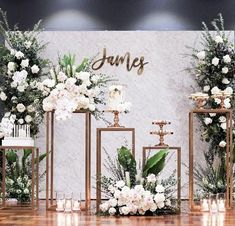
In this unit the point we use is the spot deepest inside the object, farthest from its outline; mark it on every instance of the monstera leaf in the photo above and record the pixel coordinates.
(128, 163)
(155, 164)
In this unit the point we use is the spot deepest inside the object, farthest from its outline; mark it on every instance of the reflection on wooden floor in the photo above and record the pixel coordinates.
(42, 217)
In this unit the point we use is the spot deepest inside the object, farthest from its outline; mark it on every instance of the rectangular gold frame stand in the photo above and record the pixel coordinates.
(50, 205)
(178, 150)
(229, 156)
(35, 179)
(98, 155)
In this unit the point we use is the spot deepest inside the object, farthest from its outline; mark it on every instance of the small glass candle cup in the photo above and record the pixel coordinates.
(60, 201)
(77, 202)
(221, 202)
(213, 203)
(205, 203)
(68, 202)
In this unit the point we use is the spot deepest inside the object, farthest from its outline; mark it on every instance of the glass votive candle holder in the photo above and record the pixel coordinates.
(213, 203)
(60, 201)
(77, 202)
(221, 202)
(68, 202)
(204, 203)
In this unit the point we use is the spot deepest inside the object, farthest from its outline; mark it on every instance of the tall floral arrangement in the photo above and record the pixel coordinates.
(21, 69)
(73, 87)
(134, 192)
(213, 66)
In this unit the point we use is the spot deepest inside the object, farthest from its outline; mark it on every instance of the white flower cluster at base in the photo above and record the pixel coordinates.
(136, 200)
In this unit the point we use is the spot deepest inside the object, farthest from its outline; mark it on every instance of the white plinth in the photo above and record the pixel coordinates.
(17, 141)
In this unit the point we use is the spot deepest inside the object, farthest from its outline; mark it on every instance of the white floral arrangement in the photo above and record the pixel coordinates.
(132, 192)
(116, 99)
(73, 87)
(21, 68)
(213, 67)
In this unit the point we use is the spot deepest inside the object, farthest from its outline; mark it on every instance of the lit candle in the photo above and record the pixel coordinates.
(221, 205)
(213, 207)
(76, 206)
(60, 205)
(68, 206)
(205, 205)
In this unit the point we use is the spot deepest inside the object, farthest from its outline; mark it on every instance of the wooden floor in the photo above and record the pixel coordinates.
(51, 218)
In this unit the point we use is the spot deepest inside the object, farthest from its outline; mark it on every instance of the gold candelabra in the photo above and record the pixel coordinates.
(115, 119)
(161, 133)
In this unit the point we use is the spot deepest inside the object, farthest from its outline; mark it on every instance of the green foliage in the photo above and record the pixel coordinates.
(128, 163)
(19, 174)
(155, 164)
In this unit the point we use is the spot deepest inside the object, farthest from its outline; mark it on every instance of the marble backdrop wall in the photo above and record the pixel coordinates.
(160, 92)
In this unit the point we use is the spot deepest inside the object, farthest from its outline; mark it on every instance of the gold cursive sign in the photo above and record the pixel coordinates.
(137, 62)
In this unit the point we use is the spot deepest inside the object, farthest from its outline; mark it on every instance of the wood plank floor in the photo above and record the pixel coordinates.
(50, 218)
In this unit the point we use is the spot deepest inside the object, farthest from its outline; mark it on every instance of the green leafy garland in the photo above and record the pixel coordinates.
(214, 67)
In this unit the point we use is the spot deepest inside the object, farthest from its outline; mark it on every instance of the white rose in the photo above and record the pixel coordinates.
(7, 114)
(222, 119)
(215, 61)
(3, 96)
(125, 210)
(24, 63)
(212, 114)
(91, 107)
(21, 88)
(47, 105)
(70, 82)
(159, 188)
(215, 90)
(113, 202)
(218, 39)
(20, 107)
(13, 84)
(49, 83)
(229, 90)
(223, 125)
(27, 44)
(225, 81)
(95, 78)
(84, 76)
(30, 108)
(11, 66)
(227, 59)
(153, 207)
(19, 55)
(61, 76)
(206, 88)
(227, 103)
(112, 211)
(201, 55)
(217, 100)
(225, 70)
(151, 178)
(104, 207)
(160, 205)
(222, 144)
(159, 197)
(207, 120)
(21, 121)
(35, 69)
(120, 184)
(28, 119)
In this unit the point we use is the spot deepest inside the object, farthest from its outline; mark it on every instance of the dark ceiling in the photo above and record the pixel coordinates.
(118, 14)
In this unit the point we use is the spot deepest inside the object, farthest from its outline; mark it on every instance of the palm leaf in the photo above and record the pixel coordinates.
(155, 164)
